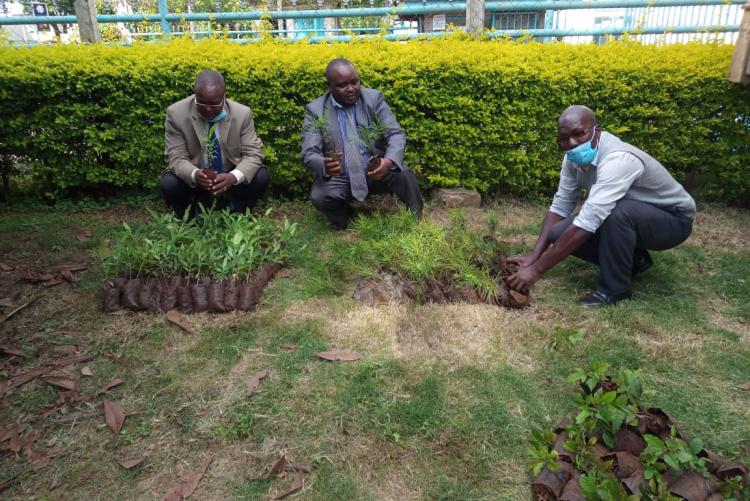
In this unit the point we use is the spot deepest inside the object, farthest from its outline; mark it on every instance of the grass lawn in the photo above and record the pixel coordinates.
(439, 407)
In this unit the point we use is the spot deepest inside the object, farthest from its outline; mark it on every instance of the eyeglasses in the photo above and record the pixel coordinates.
(577, 135)
(210, 106)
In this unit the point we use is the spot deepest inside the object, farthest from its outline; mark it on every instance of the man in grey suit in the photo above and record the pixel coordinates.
(633, 205)
(212, 149)
(355, 146)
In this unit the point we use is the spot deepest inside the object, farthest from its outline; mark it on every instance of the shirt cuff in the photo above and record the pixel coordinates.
(239, 175)
(585, 225)
(395, 167)
(193, 174)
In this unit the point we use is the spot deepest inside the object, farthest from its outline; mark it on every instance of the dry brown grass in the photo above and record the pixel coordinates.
(721, 228)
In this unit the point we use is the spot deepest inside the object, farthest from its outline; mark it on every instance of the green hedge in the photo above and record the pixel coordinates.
(478, 114)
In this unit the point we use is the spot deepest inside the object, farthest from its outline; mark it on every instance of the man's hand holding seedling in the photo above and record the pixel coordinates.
(221, 183)
(381, 170)
(205, 178)
(216, 183)
(333, 165)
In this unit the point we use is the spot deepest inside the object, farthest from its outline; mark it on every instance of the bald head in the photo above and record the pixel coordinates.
(209, 93)
(577, 125)
(578, 115)
(209, 81)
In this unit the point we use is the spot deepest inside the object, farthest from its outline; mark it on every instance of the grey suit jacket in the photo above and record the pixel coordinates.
(371, 104)
(184, 128)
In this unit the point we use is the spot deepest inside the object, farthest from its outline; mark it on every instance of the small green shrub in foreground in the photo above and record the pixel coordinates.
(652, 457)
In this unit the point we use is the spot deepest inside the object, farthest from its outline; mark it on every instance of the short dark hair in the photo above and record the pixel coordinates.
(339, 61)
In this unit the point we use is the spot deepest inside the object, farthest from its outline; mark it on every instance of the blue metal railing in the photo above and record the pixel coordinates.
(640, 17)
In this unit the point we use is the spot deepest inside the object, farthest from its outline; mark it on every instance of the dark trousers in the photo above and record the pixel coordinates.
(332, 196)
(179, 195)
(631, 228)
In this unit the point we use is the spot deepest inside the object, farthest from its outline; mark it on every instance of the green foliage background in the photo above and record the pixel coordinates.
(479, 114)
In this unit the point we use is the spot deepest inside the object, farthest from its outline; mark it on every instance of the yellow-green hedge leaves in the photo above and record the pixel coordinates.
(479, 114)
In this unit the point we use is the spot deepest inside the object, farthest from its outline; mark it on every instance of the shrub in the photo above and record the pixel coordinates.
(479, 114)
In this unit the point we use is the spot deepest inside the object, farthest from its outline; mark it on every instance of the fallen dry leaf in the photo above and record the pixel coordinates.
(84, 235)
(297, 484)
(114, 416)
(5, 267)
(68, 418)
(40, 463)
(13, 351)
(254, 383)
(66, 267)
(130, 463)
(300, 467)
(54, 281)
(277, 467)
(7, 302)
(68, 277)
(69, 360)
(347, 355)
(72, 397)
(55, 451)
(55, 484)
(176, 318)
(65, 349)
(7, 432)
(17, 442)
(110, 385)
(187, 485)
(87, 371)
(283, 274)
(289, 346)
(744, 386)
(63, 382)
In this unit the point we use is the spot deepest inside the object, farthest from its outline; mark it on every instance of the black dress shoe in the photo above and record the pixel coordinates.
(599, 298)
(641, 262)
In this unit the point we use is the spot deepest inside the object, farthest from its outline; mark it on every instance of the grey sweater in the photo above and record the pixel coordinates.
(619, 171)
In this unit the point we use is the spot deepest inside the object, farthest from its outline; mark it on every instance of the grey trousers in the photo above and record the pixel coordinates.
(631, 229)
(332, 195)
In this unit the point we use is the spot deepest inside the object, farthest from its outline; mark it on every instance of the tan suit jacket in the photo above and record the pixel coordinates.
(240, 145)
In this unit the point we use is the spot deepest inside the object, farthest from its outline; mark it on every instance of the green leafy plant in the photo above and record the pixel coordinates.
(542, 451)
(673, 455)
(605, 405)
(563, 337)
(218, 244)
(591, 378)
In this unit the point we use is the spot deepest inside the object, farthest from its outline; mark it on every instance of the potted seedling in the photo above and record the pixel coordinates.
(209, 152)
(371, 135)
(320, 124)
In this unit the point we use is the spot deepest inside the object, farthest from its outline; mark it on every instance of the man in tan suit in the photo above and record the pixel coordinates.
(212, 149)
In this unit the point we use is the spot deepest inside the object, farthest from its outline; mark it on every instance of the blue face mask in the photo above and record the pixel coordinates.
(583, 154)
(219, 117)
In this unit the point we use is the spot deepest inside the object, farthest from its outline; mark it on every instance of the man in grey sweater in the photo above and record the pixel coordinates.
(633, 205)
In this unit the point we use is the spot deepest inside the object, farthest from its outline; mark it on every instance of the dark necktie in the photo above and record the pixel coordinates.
(357, 179)
(215, 153)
